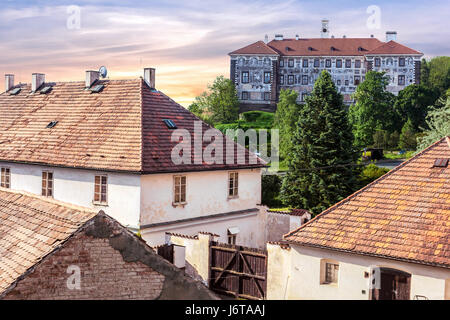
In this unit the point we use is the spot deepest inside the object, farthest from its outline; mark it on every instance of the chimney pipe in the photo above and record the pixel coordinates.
(297, 37)
(391, 35)
(37, 80)
(91, 77)
(9, 82)
(149, 77)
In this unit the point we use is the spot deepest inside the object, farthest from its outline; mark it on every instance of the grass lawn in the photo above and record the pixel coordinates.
(393, 155)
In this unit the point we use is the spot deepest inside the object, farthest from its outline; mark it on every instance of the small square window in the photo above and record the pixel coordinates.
(357, 63)
(401, 80)
(338, 82)
(290, 79)
(281, 63)
(328, 63)
(377, 62)
(348, 63)
(316, 63)
(338, 63)
(266, 96)
(331, 272)
(346, 82)
(245, 76)
(357, 80)
(5, 178)
(304, 79)
(244, 95)
(291, 63)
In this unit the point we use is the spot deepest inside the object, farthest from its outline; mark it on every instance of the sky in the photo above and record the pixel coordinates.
(188, 41)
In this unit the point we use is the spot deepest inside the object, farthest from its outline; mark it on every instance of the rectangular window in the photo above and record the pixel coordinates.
(357, 80)
(231, 238)
(401, 62)
(357, 63)
(291, 63)
(338, 82)
(233, 184)
(401, 80)
(244, 95)
(331, 273)
(281, 79)
(179, 189)
(266, 77)
(290, 79)
(328, 63)
(338, 63)
(348, 63)
(304, 79)
(244, 76)
(346, 82)
(305, 63)
(101, 189)
(266, 96)
(377, 62)
(282, 63)
(5, 179)
(47, 184)
(316, 63)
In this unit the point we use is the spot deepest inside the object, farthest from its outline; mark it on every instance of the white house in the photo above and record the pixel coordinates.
(107, 144)
(389, 240)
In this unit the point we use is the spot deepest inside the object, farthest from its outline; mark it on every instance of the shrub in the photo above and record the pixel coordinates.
(271, 185)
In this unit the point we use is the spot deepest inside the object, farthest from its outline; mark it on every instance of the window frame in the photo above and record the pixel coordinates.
(375, 62)
(317, 65)
(5, 177)
(329, 272)
(45, 190)
(231, 238)
(233, 190)
(247, 76)
(327, 63)
(246, 95)
(338, 63)
(401, 64)
(401, 83)
(305, 63)
(180, 201)
(267, 80)
(291, 63)
(100, 200)
(282, 63)
(281, 79)
(358, 64)
(348, 63)
(356, 80)
(303, 79)
(291, 76)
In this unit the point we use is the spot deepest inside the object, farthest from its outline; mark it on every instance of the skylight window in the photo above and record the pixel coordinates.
(441, 163)
(46, 90)
(52, 124)
(15, 91)
(97, 88)
(170, 124)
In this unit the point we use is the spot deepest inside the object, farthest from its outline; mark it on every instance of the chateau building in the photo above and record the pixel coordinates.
(261, 69)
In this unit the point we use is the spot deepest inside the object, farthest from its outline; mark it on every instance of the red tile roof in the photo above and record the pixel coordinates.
(404, 215)
(119, 129)
(393, 47)
(258, 47)
(326, 47)
(31, 227)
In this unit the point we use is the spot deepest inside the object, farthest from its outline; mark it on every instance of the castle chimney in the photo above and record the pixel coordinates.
(297, 37)
(37, 80)
(325, 32)
(391, 35)
(91, 77)
(9, 82)
(149, 77)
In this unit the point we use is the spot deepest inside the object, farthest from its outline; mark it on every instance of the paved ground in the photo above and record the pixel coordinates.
(390, 164)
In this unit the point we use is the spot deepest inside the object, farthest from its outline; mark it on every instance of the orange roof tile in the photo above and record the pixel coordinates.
(258, 47)
(31, 227)
(403, 215)
(119, 129)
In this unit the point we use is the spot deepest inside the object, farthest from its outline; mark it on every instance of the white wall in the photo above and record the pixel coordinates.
(206, 194)
(77, 186)
(301, 278)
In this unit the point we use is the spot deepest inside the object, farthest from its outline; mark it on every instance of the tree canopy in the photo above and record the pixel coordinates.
(321, 170)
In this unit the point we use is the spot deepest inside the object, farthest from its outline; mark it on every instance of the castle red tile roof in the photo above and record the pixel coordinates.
(31, 227)
(404, 215)
(392, 48)
(326, 47)
(258, 47)
(119, 129)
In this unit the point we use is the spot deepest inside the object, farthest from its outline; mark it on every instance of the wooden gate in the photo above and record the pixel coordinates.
(238, 271)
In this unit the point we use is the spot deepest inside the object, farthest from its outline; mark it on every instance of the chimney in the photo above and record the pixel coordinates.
(149, 77)
(325, 29)
(9, 82)
(371, 35)
(297, 37)
(91, 77)
(391, 35)
(37, 80)
(278, 37)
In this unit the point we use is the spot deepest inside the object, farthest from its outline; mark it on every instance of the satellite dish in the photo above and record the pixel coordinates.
(103, 72)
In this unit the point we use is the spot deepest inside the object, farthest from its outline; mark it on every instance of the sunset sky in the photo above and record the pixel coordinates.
(188, 41)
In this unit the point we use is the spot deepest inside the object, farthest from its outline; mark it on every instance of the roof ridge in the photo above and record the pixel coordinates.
(49, 200)
(353, 195)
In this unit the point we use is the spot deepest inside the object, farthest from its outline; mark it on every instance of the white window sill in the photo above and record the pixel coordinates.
(100, 204)
(179, 204)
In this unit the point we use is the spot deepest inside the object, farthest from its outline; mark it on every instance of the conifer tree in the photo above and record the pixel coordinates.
(321, 170)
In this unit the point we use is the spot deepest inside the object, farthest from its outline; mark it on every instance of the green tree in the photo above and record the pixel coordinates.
(438, 122)
(219, 103)
(408, 137)
(321, 170)
(439, 74)
(373, 109)
(412, 104)
(285, 119)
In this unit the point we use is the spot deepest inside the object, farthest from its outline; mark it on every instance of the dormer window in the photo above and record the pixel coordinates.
(441, 163)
